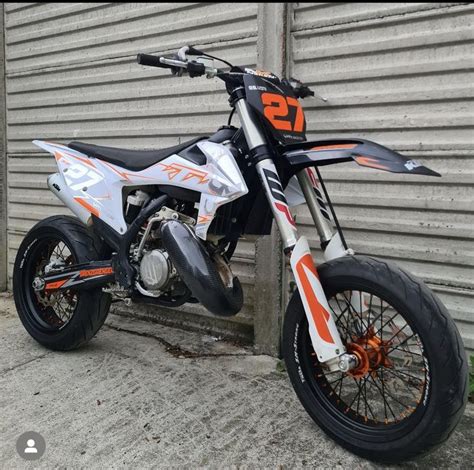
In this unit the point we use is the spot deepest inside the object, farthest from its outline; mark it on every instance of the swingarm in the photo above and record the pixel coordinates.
(79, 276)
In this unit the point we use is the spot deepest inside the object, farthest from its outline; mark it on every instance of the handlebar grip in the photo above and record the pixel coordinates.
(152, 61)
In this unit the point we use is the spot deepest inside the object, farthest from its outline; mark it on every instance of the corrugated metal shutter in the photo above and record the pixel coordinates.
(72, 74)
(399, 74)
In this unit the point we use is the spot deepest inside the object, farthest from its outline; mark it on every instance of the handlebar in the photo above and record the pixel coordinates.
(179, 64)
(194, 68)
(152, 61)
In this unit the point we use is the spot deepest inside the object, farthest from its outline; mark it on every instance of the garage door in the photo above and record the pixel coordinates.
(401, 75)
(72, 75)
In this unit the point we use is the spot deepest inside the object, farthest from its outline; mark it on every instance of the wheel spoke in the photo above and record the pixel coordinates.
(382, 393)
(374, 396)
(337, 380)
(392, 397)
(398, 372)
(56, 309)
(350, 306)
(402, 343)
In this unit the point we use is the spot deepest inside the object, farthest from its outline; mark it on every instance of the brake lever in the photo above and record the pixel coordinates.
(304, 91)
(182, 53)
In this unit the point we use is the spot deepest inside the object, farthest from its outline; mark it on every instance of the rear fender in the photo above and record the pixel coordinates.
(363, 152)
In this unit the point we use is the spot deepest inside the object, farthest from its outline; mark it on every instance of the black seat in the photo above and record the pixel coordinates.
(134, 160)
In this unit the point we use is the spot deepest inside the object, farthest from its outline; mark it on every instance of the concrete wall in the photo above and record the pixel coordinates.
(72, 75)
(396, 73)
(401, 75)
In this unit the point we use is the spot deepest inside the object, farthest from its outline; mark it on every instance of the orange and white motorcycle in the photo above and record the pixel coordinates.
(371, 352)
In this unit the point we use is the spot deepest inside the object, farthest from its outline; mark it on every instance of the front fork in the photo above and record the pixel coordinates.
(324, 334)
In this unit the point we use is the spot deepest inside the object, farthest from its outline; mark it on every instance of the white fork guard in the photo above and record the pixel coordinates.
(324, 335)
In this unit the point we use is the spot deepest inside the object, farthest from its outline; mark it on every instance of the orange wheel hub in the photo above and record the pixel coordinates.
(370, 351)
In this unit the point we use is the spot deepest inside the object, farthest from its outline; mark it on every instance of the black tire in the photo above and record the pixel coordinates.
(87, 309)
(444, 394)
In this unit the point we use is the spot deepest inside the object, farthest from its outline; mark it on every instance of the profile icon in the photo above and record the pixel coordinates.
(30, 447)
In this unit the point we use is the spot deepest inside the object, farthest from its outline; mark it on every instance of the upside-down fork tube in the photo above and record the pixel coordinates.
(331, 241)
(77, 277)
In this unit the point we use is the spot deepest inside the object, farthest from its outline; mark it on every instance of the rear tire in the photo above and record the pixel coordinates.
(82, 313)
(443, 394)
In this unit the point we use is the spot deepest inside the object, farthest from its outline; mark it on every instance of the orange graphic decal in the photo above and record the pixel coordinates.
(87, 206)
(123, 174)
(318, 312)
(204, 219)
(83, 160)
(200, 175)
(299, 118)
(370, 162)
(334, 147)
(172, 170)
(96, 272)
(59, 156)
(175, 169)
(55, 285)
(276, 107)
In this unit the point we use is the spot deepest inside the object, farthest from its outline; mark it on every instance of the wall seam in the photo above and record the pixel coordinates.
(3, 158)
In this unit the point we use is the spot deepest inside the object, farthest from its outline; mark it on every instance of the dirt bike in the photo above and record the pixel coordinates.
(371, 352)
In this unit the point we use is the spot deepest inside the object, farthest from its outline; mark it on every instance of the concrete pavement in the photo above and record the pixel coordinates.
(143, 395)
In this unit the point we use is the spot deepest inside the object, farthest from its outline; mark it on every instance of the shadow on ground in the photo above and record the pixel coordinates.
(145, 395)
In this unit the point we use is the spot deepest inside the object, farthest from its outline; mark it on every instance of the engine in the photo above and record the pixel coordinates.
(156, 270)
(175, 267)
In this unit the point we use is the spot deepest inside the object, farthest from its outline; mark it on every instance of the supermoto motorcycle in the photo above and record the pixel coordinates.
(372, 354)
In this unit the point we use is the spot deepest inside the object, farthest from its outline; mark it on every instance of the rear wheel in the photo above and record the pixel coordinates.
(65, 319)
(409, 390)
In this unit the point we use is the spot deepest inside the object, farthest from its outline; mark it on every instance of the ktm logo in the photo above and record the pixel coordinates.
(96, 272)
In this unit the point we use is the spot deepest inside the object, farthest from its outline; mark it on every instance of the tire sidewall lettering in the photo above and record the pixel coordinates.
(428, 374)
(295, 350)
(25, 253)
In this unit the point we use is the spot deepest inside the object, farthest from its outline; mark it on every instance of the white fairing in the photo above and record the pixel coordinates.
(92, 186)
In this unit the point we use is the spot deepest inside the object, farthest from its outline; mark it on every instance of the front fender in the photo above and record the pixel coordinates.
(364, 152)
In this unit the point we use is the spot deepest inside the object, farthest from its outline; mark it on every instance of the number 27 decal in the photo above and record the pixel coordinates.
(276, 108)
(82, 174)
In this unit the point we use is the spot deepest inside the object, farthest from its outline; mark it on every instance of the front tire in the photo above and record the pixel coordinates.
(67, 319)
(421, 351)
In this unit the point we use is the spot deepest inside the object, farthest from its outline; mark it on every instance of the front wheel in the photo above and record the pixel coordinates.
(409, 389)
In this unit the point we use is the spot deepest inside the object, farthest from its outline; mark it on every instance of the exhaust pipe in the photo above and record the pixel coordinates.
(199, 272)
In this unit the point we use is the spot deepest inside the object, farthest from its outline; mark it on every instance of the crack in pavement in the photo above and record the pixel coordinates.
(9, 369)
(174, 349)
